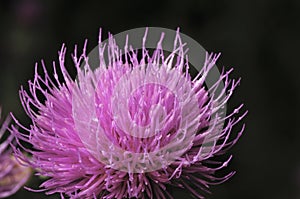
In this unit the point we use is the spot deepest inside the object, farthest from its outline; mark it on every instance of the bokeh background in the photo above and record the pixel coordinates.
(260, 39)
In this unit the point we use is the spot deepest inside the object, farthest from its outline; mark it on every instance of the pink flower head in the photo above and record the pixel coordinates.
(132, 128)
(12, 174)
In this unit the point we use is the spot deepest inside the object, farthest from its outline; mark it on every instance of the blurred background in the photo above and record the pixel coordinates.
(260, 39)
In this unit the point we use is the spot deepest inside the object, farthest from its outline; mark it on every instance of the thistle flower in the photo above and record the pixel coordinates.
(131, 128)
(12, 174)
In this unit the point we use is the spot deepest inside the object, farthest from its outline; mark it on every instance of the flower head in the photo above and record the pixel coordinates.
(12, 174)
(133, 127)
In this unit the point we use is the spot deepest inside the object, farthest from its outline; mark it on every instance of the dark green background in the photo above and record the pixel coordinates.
(260, 39)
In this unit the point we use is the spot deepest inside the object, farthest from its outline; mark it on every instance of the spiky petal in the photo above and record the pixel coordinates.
(12, 174)
(130, 128)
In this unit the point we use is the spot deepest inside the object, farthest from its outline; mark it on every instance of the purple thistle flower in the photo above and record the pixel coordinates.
(133, 127)
(12, 174)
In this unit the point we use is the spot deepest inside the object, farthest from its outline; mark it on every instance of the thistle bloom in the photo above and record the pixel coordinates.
(12, 174)
(131, 128)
